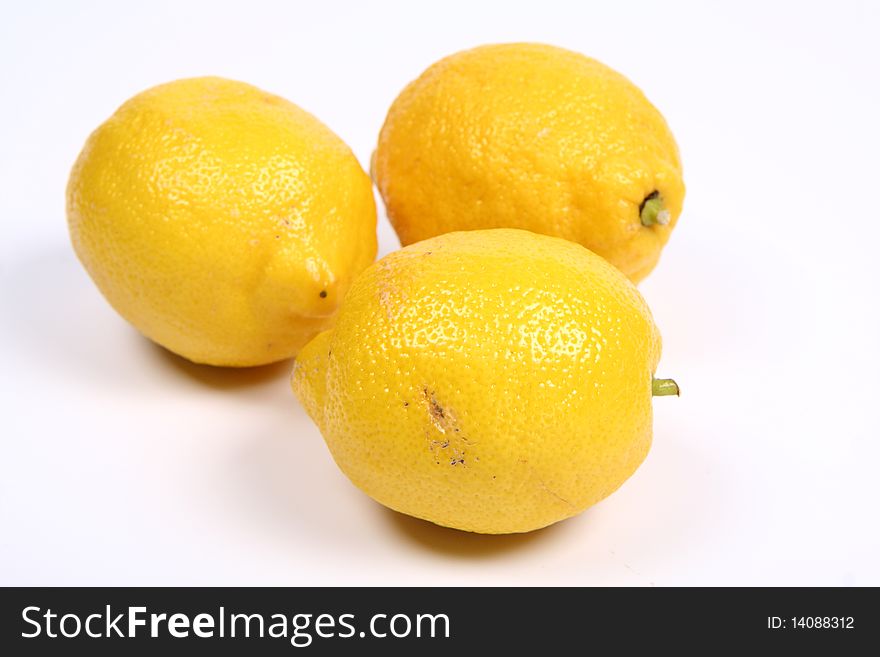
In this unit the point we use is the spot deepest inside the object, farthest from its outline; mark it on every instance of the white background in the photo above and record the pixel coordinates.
(122, 464)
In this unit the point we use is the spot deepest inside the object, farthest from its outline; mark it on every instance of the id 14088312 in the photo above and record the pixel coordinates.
(811, 623)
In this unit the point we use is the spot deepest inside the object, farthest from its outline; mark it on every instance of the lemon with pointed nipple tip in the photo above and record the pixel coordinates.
(537, 137)
(223, 222)
(493, 381)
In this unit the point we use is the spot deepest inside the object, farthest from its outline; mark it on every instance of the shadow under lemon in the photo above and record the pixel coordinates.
(468, 545)
(58, 315)
(221, 378)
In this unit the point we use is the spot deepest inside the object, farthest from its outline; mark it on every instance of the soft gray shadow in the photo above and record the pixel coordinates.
(284, 481)
(58, 315)
(220, 378)
(676, 502)
(467, 545)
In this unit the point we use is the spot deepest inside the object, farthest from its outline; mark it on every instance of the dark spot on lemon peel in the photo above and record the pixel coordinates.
(434, 406)
(444, 421)
(323, 294)
(651, 210)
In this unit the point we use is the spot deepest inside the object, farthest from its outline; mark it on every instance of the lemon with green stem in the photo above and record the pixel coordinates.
(493, 381)
(535, 137)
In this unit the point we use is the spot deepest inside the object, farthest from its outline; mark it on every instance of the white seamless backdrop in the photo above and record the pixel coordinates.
(122, 464)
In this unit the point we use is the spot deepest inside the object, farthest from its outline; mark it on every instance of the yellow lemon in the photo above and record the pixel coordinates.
(534, 137)
(223, 222)
(493, 381)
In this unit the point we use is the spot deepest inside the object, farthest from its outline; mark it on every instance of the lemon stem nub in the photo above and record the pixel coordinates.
(664, 388)
(652, 211)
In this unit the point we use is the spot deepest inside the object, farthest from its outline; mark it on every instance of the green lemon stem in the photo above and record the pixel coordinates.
(653, 211)
(664, 388)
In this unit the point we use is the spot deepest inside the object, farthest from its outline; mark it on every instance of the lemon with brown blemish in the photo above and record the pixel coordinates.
(493, 381)
(223, 222)
(536, 137)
